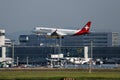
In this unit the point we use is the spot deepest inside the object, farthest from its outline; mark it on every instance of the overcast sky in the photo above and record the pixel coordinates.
(24, 15)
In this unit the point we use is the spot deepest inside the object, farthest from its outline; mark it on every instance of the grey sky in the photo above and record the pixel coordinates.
(24, 15)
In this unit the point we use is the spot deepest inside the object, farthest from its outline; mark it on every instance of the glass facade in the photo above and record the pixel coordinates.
(106, 52)
(103, 39)
(38, 55)
(36, 40)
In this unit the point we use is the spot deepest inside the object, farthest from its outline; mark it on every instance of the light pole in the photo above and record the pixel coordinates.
(13, 52)
(59, 48)
(17, 61)
(60, 44)
(90, 66)
(27, 61)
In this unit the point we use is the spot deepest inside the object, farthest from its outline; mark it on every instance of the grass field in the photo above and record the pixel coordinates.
(59, 74)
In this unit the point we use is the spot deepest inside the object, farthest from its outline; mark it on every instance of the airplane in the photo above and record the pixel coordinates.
(62, 32)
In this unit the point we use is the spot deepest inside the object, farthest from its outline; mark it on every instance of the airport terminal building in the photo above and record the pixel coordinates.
(37, 55)
(100, 39)
(34, 49)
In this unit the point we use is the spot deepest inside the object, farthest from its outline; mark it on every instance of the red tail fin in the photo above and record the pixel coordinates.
(85, 29)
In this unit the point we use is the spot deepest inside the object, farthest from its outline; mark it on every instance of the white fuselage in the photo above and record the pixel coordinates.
(48, 31)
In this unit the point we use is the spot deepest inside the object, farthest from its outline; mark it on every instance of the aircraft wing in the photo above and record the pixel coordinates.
(57, 33)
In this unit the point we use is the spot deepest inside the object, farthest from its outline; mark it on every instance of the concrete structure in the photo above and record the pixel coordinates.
(2, 37)
(2, 44)
(86, 53)
(3, 53)
(8, 42)
(3, 58)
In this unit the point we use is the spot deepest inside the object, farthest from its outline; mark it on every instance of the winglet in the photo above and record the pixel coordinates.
(85, 29)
